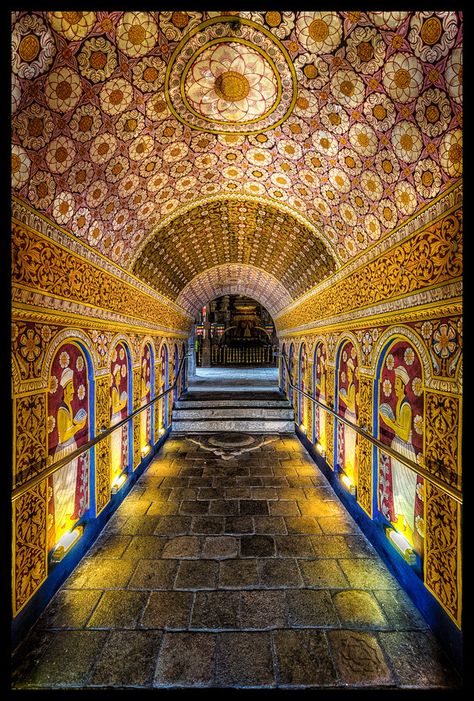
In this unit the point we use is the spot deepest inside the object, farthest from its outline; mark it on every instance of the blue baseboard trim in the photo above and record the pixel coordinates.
(59, 572)
(448, 634)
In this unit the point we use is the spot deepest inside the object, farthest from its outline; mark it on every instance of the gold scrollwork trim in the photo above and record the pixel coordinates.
(43, 265)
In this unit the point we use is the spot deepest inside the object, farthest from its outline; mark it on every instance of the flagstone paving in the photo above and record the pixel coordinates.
(237, 572)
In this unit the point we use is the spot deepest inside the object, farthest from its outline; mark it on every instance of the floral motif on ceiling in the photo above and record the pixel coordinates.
(372, 132)
(230, 75)
(233, 231)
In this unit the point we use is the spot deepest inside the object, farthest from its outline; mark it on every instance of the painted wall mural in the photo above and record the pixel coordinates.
(319, 385)
(347, 404)
(62, 396)
(68, 429)
(146, 389)
(407, 382)
(119, 409)
(302, 384)
(164, 384)
(401, 422)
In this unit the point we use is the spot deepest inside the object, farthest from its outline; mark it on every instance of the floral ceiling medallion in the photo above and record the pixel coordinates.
(230, 75)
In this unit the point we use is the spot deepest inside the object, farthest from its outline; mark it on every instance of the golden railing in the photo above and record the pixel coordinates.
(452, 491)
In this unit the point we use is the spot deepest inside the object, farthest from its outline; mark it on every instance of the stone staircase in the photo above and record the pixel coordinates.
(263, 411)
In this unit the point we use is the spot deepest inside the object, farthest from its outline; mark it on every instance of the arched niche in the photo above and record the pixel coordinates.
(70, 424)
(399, 417)
(319, 393)
(346, 404)
(121, 399)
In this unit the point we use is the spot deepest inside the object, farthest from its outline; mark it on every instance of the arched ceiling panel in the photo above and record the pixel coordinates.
(353, 119)
(234, 278)
(232, 231)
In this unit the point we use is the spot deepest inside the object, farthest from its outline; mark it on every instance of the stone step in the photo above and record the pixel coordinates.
(210, 403)
(217, 395)
(212, 425)
(234, 412)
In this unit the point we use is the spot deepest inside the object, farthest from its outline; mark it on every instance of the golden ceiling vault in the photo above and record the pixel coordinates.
(341, 124)
(243, 232)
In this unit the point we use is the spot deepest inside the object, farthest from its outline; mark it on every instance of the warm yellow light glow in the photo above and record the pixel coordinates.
(118, 483)
(348, 484)
(161, 431)
(320, 449)
(303, 428)
(64, 545)
(402, 545)
(145, 450)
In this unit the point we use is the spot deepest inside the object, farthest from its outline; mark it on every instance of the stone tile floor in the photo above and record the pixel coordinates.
(245, 572)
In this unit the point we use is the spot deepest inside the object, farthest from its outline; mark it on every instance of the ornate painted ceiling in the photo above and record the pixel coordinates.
(175, 143)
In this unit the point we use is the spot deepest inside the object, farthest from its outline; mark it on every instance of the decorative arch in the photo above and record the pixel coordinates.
(399, 415)
(346, 404)
(184, 374)
(282, 371)
(183, 209)
(121, 393)
(122, 337)
(234, 278)
(417, 342)
(319, 391)
(164, 382)
(70, 424)
(291, 361)
(147, 392)
(174, 370)
(302, 368)
(70, 334)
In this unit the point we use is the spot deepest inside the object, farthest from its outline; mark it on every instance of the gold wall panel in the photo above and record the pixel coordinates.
(330, 378)
(30, 437)
(29, 545)
(442, 437)
(364, 447)
(102, 449)
(442, 550)
(427, 259)
(136, 420)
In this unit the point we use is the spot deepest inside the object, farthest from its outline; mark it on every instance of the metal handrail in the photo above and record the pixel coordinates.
(388, 450)
(17, 492)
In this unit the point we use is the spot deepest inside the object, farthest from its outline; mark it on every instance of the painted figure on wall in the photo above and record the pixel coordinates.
(184, 373)
(283, 380)
(347, 407)
(68, 428)
(145, 397)
(164, 386)
(303, 367)
(175, 371)
(319, 370)
(119, 410)
(401, 426)
(291, 366)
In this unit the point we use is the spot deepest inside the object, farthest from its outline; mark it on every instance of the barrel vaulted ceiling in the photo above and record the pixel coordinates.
(202, 150)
